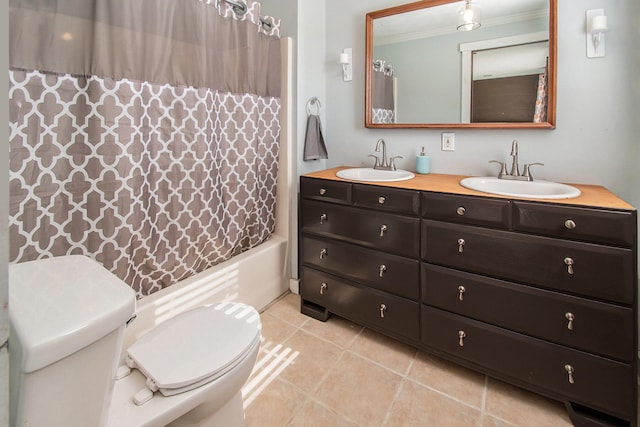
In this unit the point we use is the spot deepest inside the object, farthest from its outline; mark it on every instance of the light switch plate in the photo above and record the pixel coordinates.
(448, 141)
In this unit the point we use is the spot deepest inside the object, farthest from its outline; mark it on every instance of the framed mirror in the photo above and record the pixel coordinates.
(462, 64)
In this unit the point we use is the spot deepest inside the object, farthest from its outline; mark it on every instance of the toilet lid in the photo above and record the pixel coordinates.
(198, 345)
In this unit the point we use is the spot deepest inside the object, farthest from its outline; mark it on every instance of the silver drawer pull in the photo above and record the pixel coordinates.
(383, 228)
(323, 218)
(570, 371)
(323, 287)
(461, 291)
(570, 318)
(460, 245)
(569, 263)
(381, 200)
(323, 253)
(461, 210)
(570, 224)
(461, 336)
(323, 191)
(383, 268)
(383, 308)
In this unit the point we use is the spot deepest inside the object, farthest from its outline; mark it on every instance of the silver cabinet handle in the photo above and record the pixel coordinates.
(570, 371)
(461, 210)
(460, 245)
(461, 336)
(381, 200)
(323, 191)
(323, 253)
(323, 287)
(383, 228)
(383, 268)
(569, 263)
(323, 218)
(461, 291)
(383, 308)
(570, 224)
(570, 318)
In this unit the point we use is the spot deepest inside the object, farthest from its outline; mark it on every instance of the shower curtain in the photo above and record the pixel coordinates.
(540, 111)
(143, 134)
(383, 103)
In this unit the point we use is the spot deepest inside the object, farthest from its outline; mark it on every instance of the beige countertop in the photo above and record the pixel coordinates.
(592, 195)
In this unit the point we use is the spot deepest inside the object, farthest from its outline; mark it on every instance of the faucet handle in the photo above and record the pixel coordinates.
(503, 168)
(392, 164)
(377, 163)
(526, 173)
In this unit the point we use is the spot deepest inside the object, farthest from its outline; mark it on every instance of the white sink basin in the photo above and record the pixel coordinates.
(530, 189)
(374, 175)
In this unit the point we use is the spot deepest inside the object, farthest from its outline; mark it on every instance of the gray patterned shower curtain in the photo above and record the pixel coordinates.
(144, 134)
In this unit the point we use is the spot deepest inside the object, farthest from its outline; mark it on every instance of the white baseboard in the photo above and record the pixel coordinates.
(294, 286)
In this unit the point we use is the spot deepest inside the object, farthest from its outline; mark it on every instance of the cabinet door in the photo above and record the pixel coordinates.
(585, 379)
(576, 322)
(325, 190)
(387, 199)
(579, 268)
(379, 310)
(380, 270)
(569, 222)
(386, 232)
(489, 212)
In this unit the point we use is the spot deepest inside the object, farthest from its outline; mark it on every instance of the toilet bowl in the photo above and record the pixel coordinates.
(68, 316)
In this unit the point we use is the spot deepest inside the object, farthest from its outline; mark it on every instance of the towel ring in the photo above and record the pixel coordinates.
(311, 102)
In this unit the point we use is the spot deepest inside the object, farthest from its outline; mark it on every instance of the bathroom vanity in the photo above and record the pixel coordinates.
(538, 293)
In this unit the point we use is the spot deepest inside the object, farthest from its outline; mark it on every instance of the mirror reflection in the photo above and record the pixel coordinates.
(485, 63)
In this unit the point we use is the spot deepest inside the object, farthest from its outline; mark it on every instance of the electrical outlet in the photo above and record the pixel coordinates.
(448, 141)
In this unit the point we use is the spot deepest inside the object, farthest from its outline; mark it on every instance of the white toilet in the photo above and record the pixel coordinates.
(68, 316)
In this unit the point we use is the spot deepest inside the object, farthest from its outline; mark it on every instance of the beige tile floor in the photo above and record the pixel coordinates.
(311, 373)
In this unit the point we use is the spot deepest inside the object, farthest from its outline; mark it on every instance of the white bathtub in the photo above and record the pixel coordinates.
(256, 277)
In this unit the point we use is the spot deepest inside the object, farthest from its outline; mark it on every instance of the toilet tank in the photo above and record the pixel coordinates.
(67, 318)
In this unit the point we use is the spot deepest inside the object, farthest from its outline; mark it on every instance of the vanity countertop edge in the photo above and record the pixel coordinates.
(592, 195)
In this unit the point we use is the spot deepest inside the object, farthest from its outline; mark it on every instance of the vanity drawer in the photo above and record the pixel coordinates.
(387, 232)
(593, 225)
(378, 310)
(466, 209)
(380, 270)
(580, 268)
(595, 326)
(598, 382)
(387, 199)
(325, 190)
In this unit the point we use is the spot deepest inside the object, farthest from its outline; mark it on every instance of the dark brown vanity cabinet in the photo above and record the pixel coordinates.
(542, 295)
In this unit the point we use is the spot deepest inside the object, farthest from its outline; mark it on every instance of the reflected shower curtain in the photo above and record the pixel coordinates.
(540, 112)
(143, 134)
(383, 100)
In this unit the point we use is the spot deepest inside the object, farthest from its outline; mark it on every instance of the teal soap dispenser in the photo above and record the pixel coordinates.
(423, 163)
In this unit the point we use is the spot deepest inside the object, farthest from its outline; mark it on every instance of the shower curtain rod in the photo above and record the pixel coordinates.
(240, 8)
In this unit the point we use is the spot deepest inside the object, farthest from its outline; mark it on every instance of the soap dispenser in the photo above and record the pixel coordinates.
(423, 163)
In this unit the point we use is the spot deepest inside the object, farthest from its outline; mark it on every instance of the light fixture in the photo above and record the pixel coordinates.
(596, 27)
(345, 60)
(469, 16)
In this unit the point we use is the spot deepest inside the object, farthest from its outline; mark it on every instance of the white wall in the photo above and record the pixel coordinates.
(596, 138)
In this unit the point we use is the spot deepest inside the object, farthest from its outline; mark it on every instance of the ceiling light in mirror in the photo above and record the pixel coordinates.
(469, 17)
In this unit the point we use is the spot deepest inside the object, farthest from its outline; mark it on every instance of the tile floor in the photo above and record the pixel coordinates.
(311, 373)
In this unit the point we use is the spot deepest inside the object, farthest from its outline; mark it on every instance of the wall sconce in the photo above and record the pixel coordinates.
(596, 27)
(469, 17)
(345, 60)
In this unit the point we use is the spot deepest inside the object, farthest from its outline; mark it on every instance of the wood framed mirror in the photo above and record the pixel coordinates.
(422, 72)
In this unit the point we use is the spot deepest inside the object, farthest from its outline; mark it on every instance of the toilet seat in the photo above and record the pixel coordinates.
(195, 347)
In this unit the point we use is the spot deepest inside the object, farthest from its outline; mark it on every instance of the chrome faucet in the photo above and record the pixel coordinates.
(515, 170)
(383, 163)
